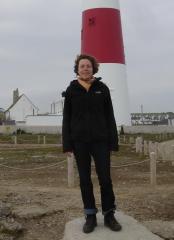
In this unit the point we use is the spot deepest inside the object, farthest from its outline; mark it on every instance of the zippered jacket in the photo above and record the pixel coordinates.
(88, 115)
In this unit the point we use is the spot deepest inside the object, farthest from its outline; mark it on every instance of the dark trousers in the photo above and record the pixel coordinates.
(101, 155)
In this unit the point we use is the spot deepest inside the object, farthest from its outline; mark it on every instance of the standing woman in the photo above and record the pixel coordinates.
(89, 129)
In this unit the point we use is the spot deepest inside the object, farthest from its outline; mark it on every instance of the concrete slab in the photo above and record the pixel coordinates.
(132, 230)
(165, 229)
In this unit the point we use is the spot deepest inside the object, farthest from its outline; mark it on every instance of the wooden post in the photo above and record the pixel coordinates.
(145, 148)
(156, 149)
(172, 155)
(159, 137)
(44, 139)
(119, 138)
(140, 147)
(137, 144)
(15, 140)
(163, 147)
(131, 140)
(38, 139)
(150, 147)
(70, 160)
(153, 169)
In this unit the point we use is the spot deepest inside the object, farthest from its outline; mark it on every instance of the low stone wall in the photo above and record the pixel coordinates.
(8, 129)
(57, 129)
(31, 129)
(166, 150)
(42, 129)
(163, 150)
(148, 129)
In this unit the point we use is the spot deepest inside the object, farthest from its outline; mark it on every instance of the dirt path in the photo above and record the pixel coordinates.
(41, 203)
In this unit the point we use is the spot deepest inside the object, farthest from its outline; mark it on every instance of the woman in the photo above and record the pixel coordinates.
(89, 129)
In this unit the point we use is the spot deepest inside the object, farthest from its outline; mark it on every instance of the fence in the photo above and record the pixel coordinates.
(154, 150)
(31, 139)
(164, 150)
(10, 129)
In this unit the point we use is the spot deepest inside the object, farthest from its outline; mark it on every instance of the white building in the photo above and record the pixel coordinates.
(57, 107)
(44, 120)
(21, 107)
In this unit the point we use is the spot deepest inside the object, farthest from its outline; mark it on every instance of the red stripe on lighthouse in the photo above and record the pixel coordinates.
(102, 35)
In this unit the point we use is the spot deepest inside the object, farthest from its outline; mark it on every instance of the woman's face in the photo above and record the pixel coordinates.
(85, 70)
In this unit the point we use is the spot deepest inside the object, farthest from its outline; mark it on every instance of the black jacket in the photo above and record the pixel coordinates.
(88, 115)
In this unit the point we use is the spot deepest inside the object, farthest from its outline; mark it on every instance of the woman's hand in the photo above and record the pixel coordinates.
(69, 154)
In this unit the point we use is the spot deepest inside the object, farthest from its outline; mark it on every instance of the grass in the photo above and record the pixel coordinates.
(149, 137)
(31, 138)
(48, 154)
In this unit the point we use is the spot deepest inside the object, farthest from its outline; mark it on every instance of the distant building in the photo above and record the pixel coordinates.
(1, 115)
(21, 107)
(2, 110)
(152, 118)
(44, 120)
(57, 107)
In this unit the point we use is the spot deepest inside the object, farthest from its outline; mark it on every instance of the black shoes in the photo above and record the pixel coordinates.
(111, 222)
(90, 224)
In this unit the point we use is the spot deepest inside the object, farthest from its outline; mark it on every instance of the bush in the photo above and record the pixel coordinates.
(20, 131)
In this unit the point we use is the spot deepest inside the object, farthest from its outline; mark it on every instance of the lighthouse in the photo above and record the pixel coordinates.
(101, 37)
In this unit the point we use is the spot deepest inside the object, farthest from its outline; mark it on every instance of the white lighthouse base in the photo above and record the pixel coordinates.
(132, 230)
(114, 76)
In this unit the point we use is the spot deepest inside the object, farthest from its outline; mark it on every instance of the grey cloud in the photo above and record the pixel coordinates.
(40, 39)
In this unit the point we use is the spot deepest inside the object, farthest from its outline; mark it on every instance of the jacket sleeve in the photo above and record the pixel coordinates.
(111, 123)
(66, 130)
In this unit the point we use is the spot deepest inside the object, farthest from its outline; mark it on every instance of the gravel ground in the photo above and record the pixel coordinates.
(38, 203)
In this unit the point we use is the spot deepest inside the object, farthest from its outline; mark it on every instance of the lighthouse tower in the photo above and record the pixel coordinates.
(102, 38)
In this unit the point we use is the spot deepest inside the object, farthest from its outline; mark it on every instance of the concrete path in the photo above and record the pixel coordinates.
(132, 230)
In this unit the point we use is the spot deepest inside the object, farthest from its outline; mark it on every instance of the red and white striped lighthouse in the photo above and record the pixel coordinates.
(102, 38)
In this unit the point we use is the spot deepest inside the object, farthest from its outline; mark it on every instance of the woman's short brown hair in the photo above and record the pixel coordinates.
(95, 64)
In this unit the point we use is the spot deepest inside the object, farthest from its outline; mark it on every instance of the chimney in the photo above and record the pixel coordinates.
(15, 95)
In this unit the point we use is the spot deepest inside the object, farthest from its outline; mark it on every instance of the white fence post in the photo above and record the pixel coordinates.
(151, 147)
(145, 148)
(38, 139)
(163, 150)
(153, 169)
(44, 139)
(70, 160)
(15, 140)
(131, 140)
(156, 149)
(139, 145)
(172, 155)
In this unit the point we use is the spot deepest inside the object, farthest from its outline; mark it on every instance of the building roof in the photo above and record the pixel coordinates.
(23, 95)
(2, 110)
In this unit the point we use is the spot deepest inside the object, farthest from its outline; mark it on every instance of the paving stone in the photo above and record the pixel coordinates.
(164, 229)
(10, 227)
(132, 230)
(29, 211)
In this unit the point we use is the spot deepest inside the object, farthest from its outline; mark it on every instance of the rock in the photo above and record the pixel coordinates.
(5, 210)
(31, 211)
(6, 237)
(10, 227)
(132, 230)
(164, 229)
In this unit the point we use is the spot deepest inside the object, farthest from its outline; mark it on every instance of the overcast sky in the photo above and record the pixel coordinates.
(39, 40)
